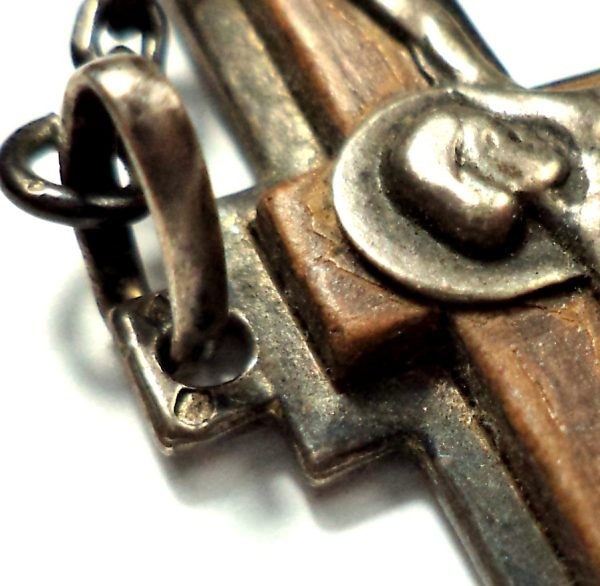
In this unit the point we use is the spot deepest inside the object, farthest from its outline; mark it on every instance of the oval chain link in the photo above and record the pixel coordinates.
(96, 17)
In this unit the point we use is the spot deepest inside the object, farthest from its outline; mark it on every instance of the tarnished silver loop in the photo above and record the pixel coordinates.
(54, 202)
(125, 99)
(97, 16)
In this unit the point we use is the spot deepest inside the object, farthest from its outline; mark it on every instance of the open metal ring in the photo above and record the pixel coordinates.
(96, 16)
(54, 202)
(123, 101)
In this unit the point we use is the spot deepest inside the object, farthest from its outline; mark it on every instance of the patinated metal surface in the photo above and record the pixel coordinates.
(421, 413)
(337, 79)
(53, 201)
(102, 104)
(446, 47)
(545, 403)
(278, 139)
(355, 321)
(466, 161)
(283, 245)
(306, 330)
(410, 251)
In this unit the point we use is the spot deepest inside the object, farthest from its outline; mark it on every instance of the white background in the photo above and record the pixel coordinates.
(85, 498)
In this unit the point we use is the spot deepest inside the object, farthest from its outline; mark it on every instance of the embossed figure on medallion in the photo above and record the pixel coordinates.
(463, 171)
(479, 189)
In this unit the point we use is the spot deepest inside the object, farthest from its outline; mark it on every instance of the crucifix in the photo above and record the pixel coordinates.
(416, 271)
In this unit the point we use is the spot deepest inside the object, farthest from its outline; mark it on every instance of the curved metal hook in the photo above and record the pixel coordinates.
(125, 99)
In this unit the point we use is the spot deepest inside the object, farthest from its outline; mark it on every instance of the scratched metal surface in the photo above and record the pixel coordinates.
(443, 449)
(422, 413)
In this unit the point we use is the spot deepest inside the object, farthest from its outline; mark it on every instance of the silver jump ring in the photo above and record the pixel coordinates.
(54, 202)
(124, 100)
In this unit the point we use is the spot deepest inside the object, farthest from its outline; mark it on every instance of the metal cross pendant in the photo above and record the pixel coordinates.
(415, 272)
